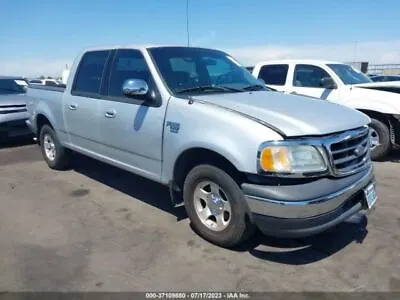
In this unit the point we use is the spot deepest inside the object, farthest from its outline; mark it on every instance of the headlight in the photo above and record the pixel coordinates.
(291, 159)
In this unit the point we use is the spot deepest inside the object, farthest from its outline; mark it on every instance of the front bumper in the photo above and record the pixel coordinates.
(14, 128)
(30, 126)
(309, 208)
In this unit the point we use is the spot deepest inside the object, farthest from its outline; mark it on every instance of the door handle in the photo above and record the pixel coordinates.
(73, 106)
(110, 114)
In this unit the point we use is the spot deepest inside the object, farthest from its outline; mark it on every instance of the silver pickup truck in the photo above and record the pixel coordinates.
(236, 154)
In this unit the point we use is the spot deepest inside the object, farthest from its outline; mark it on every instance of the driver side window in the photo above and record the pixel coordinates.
(309, 76)
(127, 64)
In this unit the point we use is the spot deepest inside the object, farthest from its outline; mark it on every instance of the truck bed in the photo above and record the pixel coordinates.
(46, 87)
(46, 98)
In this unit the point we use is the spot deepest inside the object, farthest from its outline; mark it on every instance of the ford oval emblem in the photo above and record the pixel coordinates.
(358, 150)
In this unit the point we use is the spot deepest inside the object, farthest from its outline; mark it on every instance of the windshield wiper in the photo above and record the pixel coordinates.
(255, 87)
(204, 88)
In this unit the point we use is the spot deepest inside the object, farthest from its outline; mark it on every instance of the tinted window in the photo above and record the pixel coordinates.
(127, 64)
(309, 76)
(90, 72)
(274, 74)
(10, 86)
(188, 68)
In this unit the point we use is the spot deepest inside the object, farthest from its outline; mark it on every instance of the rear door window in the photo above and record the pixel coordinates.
(90, 72)
(274, 74)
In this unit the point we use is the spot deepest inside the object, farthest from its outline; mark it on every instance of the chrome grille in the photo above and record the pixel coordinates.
(13, 108)
(350, 151)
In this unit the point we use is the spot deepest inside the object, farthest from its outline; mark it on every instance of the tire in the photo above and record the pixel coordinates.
(381, 132)
(61, 158)
(238, 227)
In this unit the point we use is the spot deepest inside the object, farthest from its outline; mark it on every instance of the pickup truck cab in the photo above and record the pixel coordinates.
(342, 84)
(234, 153)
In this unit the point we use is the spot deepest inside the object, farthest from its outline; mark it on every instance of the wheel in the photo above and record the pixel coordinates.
(380, 139)
(216, 206)
(56, 156)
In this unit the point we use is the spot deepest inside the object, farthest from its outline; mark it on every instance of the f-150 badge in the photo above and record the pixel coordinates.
(173, 126)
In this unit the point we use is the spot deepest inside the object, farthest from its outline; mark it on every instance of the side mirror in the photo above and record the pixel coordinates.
(328, 83)
(135, 88)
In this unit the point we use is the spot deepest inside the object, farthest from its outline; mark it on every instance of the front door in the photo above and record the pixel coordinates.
(131, 128)
(81, 103)
(308, 80)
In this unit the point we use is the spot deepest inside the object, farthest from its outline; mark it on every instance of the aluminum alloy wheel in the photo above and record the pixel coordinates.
(212, 205)
(49, 147)
(374, 138)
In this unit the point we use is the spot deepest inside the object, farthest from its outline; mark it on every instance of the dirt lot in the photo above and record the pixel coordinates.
(97, 228)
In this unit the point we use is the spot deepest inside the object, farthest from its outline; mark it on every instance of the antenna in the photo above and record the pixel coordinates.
(187, 23)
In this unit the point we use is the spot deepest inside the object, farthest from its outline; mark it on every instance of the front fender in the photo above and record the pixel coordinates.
(231, 135)
(368, 99)
(44, 109)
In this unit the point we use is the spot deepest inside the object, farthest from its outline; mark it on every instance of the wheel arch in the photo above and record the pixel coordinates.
(195, 156)
(386, 119)
(41, 120)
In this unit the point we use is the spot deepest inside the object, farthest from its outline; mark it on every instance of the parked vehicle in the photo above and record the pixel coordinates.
(343, 84)
(385, 78)
(232, 152)
(48, 82)
(13, 113)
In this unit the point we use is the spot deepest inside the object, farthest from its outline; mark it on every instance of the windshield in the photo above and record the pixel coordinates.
(348, 74)
(12, 86)
(189, 70)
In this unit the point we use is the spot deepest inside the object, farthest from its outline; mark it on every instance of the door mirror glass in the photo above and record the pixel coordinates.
(135, 87)
(328, 83)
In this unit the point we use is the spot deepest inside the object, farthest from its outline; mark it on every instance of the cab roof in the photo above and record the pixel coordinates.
(299, 61)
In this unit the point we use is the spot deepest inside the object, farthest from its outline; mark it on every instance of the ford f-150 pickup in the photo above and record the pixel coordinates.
(236, 154)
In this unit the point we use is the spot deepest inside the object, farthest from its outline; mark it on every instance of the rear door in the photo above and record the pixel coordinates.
(81, 105)
(307, 81)
(274, 75)
(131, 128)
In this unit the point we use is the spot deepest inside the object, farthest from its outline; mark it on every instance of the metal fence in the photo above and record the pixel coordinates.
(384, 69)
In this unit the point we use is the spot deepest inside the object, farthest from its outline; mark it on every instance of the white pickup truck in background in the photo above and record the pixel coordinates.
(341, 83)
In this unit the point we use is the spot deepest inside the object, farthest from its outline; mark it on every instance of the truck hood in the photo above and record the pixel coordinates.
(12, 100)
(292, 115)
(390, 86)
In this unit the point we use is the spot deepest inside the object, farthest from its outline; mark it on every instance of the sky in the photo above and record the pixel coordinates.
(40, 37)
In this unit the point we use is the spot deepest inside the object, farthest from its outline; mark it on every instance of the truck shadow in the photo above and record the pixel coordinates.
(307, 250)
(394, 156)
(130, 184)
(17, 142)
(284, 251)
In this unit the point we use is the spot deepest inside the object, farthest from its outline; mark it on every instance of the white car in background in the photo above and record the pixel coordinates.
(342, 84)
(48, 82)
